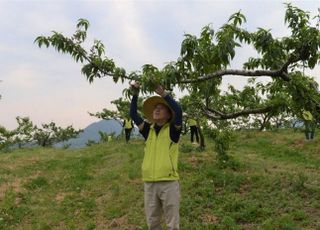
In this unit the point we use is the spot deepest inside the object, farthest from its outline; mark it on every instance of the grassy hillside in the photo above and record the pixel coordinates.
(274, 184)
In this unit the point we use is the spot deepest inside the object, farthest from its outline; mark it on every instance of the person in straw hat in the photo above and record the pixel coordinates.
(161, 131)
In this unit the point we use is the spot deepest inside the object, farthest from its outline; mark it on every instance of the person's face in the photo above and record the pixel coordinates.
(161, 113)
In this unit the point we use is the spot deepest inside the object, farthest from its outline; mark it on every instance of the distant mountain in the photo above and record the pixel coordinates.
(91, 132)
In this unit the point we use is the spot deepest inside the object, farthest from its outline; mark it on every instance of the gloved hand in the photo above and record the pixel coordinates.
(135, 87)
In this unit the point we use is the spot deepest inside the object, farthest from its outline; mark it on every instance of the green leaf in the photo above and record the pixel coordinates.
(83, 23)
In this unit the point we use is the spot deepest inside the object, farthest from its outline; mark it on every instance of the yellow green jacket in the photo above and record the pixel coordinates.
(160, 162)
(192, 122)
(128, 124)
(307, 115)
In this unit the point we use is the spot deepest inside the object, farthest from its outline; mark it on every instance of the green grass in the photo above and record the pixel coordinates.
(274, 184)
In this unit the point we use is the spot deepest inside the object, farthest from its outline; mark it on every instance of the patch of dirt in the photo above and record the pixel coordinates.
(120, 223)
(313, 213)
(15, 185)
(23, 161)
(34, 175)
(102, 200)
(209, 219)
(244, 188)
(192, 160)
(299, 143)
(60, 196)
(136, 181)
(101, 223)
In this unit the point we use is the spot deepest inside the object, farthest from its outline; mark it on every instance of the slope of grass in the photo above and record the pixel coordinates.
(274, 184)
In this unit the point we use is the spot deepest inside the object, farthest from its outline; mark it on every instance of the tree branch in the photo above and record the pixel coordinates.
(247, 73)
(218, 115)
(89, 60)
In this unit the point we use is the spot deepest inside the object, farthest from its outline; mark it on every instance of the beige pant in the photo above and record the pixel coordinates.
(162, 196)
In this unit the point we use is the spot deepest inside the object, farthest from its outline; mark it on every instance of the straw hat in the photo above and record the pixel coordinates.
(150, 104)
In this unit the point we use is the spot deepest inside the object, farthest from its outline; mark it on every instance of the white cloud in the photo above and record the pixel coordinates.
(129, 42)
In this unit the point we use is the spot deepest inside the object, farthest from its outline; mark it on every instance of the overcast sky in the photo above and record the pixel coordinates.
(48, 86)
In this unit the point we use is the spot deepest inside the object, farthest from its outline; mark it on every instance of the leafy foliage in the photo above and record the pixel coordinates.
(203, 62)
(122, 112)
(50, 134)
(27, 133)
(6, 138)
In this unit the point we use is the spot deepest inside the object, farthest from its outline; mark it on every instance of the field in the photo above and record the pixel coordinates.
(273, 182)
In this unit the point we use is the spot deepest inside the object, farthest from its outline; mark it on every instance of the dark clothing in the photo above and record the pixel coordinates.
(133, 111)
(127, 130)
(309, 129)
(127, 133)
(174, 133)
(194, 131)
(177, 120)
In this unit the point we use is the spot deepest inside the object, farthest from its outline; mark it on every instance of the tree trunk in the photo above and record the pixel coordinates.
(201, 137)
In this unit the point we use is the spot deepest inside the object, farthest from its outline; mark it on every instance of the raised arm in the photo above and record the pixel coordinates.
(133, 106)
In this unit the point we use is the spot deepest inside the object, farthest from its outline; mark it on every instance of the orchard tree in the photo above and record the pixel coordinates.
(27, 133)
(50, 133)
(107, 114)
(122, 112)
(282, 120)
(206, 59)
(257, 95)
(123, 107)
(270, 121)
(24, 132)
(6, 138)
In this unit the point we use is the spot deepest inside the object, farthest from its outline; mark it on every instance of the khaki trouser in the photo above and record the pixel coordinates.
(162, 196)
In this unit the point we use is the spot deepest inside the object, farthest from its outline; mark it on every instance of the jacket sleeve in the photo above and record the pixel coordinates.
(176, 108)
(133, 111)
